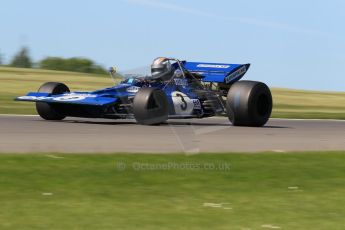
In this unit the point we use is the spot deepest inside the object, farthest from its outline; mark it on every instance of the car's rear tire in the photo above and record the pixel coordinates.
(249, 103)
(47, 110)
(150, 106)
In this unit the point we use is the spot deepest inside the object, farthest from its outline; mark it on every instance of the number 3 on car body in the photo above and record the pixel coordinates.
(182, 103)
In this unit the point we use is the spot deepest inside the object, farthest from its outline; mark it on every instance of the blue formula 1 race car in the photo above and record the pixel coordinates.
(174, 89)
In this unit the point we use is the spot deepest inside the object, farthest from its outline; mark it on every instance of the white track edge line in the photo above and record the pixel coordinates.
(18, 115)
(292, 119)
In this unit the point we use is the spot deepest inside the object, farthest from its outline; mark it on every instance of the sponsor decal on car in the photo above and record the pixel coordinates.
(236, 74)
(133, 89)
(181, 81)
(197, 104)
(69, 98)
(213, 66)
(33, 98)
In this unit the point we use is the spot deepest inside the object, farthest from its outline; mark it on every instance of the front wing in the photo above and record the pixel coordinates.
(69, 98)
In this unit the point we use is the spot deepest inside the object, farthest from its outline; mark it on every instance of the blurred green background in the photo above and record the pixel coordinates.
(287, 103)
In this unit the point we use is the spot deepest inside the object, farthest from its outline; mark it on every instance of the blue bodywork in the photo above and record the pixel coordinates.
(191, 92)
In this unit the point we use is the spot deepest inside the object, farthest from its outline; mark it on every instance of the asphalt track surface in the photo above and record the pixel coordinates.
(22, 134)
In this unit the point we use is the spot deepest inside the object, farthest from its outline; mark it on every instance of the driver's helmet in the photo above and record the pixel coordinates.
(161, 69)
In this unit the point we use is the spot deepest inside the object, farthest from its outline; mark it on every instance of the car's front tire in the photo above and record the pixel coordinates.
(150, 106)
(249, 103)
(46, 110)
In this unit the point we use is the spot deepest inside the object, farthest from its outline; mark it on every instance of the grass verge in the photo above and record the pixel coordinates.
(207, 191)
(287, 103)
(308, 104)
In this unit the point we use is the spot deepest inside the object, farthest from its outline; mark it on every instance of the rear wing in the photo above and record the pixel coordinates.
(217, 72)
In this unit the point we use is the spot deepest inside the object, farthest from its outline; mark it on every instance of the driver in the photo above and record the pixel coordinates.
(161, 69)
